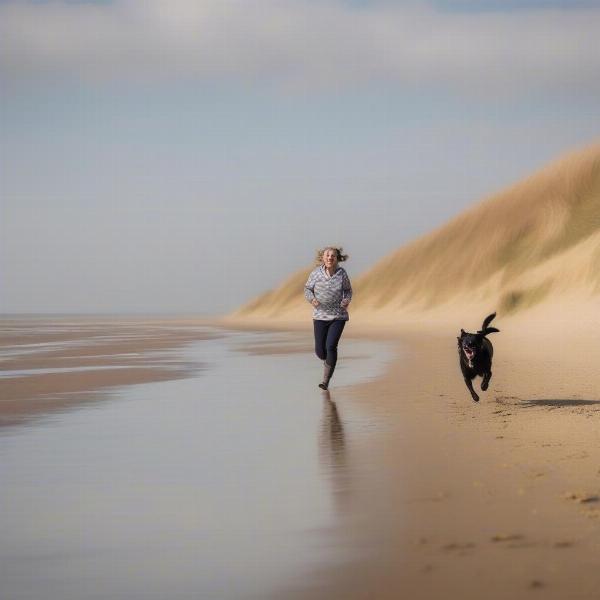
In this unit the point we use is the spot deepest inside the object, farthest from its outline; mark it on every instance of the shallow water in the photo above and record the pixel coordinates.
(223, 485)
(57, 370)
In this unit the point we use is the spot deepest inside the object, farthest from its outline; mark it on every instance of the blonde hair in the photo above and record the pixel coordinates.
(341, 257)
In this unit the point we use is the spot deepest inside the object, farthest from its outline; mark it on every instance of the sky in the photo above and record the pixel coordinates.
(183, 156)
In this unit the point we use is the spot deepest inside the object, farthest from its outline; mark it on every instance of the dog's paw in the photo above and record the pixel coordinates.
(486, 381)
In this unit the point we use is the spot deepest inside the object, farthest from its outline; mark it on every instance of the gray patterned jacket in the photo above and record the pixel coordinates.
(329, 292)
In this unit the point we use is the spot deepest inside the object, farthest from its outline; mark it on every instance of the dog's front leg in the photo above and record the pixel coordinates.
(473, 392)
(486, 380)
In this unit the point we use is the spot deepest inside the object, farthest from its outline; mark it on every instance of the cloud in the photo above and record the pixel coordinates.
(301, 44)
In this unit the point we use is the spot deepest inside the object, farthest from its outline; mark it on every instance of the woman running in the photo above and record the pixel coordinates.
(328, 289)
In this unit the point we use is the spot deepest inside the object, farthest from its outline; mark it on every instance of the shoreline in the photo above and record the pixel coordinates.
(500, 499)
(50, 364)
(451, 498)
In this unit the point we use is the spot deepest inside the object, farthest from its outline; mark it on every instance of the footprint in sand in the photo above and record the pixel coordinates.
(564, 544)
(460, 548)
(582, 497)
(582, 454)
(511, 540)
(536, 584)
(504, 537)
(588, 500)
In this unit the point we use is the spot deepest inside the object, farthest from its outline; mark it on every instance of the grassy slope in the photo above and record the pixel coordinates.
(531, 242)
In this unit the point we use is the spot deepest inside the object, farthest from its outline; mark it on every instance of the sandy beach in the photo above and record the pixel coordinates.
(431, 494)
(196, 196)
(52, 363)
(499, 499)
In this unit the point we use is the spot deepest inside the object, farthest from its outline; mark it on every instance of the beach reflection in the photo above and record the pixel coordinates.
(207, 486)
(332, 452)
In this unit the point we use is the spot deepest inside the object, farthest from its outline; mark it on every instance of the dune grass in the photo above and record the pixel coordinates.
(511, 251)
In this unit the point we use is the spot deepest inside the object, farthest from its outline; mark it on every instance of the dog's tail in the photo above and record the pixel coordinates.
(485, 329)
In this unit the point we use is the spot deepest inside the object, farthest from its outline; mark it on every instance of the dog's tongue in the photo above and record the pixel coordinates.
(469, 352)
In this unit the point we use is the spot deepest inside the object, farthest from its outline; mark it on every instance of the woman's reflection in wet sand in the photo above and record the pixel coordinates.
(332, 452)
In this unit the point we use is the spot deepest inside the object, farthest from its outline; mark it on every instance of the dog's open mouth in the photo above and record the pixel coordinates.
(469, 352)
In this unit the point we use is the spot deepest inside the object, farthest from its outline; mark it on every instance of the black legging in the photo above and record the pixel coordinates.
(327, 336)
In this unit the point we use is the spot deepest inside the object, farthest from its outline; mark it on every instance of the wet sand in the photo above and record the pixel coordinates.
(220, 484)
(51, 363)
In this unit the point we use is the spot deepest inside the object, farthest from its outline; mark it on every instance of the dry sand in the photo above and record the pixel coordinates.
(493, 500)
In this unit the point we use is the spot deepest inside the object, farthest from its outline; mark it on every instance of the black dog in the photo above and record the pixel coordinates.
(475, 352)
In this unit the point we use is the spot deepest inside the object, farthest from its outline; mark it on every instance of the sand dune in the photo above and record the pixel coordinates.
(285, 299)
(534, 244)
